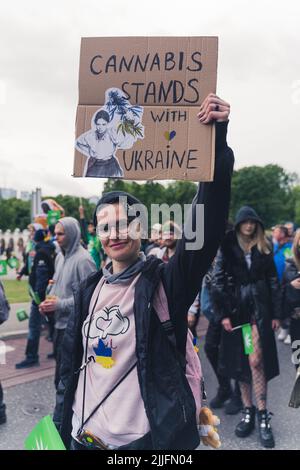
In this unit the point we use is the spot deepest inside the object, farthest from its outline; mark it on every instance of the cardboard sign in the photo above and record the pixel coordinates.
(138, 104)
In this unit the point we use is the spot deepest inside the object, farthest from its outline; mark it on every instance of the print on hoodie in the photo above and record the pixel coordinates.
(109, 323)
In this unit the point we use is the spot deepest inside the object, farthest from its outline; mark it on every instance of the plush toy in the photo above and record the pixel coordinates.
(207, 431)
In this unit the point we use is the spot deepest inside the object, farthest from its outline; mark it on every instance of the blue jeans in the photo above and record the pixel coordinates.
(206, 303)
(33, 340)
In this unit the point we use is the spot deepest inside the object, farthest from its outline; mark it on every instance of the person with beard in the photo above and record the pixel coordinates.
(41, 272)
(72, 265)
(171, 233)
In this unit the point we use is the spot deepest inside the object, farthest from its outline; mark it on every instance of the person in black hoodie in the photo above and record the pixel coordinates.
(245, 289)
(40, 274)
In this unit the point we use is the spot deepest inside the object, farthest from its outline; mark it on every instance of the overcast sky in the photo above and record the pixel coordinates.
(258, 73)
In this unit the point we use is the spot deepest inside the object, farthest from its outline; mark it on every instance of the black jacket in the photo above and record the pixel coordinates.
(238, 293)
(290, 295)
(167, 397)
(42, 268)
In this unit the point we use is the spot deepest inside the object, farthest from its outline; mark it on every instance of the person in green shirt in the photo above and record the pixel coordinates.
(90, 239)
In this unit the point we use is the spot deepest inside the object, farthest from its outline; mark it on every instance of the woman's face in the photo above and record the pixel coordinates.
(247, 228)
(118, 246)
(101, 125)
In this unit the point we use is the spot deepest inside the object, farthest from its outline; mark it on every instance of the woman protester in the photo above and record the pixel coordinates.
(121, 383)
(246, 290)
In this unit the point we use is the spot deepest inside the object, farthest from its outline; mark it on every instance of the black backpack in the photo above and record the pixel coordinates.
(4, 305)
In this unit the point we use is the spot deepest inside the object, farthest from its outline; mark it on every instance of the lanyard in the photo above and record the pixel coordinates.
(87, 361)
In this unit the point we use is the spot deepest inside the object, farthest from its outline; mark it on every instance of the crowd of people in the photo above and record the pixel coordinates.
(13, 253)
(122, 313)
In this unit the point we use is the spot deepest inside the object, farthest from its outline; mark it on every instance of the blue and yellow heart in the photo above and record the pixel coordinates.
(169, 135)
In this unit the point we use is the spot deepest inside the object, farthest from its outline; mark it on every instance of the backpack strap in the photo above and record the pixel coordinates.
(151, 271)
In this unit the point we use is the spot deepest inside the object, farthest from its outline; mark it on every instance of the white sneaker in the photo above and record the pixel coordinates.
(283, 334)
(288, 340)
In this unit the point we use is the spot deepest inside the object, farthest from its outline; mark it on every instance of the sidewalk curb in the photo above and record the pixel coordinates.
(28, 377)
(14, 335)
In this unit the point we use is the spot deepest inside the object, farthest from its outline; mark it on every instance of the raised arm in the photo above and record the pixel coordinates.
(182, 276)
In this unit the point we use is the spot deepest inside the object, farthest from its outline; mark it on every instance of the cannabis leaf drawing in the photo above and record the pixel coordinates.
(118, 104)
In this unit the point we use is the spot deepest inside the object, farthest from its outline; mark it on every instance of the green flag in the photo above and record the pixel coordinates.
(53, 217)
(34, 295)
(44, 436)
(247, 338)
(3, 268)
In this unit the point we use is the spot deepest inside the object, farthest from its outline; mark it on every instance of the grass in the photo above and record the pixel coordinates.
(16, 291)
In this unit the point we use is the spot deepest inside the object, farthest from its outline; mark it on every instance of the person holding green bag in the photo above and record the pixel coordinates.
(247, 299)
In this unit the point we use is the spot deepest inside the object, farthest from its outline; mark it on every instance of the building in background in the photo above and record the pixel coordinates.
(7, 193)
(25, 195)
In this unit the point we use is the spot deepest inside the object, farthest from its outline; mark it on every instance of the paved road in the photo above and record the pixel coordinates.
(285, 422)
(40, 395)
(26, 405)
(13, 326)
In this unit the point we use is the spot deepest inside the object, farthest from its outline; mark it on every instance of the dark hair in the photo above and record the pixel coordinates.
(126, 200)
(113, 197)
(51, 229)
(102, 115)
(283, 229)
(39, 236)
(45, 207)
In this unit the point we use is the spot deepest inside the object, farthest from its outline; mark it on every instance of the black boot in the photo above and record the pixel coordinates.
(265, 430)
(235, 404)
(223, 395)
(247, 423)
(27, 363)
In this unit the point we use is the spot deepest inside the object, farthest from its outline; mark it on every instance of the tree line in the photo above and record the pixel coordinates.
(270, 190)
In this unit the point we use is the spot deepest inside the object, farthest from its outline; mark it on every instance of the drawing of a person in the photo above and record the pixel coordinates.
(109, 131)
